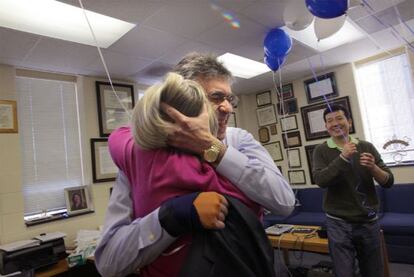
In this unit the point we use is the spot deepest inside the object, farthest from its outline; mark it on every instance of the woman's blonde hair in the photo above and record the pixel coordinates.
(151, 124)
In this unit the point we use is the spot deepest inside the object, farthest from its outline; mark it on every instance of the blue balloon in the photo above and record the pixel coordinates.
(277, 43)
(274, 62)
(327, 8)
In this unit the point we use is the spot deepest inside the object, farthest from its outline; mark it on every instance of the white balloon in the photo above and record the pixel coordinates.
(327, 27)
(296, 16)
(354, 3)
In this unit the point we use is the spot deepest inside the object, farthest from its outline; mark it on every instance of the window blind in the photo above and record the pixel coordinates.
(50, 146)
(386, 97)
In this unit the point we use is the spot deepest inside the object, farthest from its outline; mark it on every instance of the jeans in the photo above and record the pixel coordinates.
(348, 241)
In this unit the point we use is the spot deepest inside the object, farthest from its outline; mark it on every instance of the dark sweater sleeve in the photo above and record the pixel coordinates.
(325, 168)
(380, 163)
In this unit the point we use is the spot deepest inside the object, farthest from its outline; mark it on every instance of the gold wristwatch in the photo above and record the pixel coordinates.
(213, 152)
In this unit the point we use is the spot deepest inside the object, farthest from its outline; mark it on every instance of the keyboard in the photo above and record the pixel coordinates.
(278, 229)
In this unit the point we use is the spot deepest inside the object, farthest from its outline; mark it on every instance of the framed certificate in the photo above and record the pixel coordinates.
(103, 168)
(266, 115)
(286, 93)
(8, 116)
(274, 150)
(114, 108)
(323, 87)
(297, 177)
(293, 156)
(288, 123)
(291, 139)
(313, 122)
(264, 134)
(263, 98)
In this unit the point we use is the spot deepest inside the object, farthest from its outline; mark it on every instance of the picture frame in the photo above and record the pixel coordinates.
(289, 123)
(232, 122)
(8, 116)
(263, 98)
(111, 113)
(323, 87)
(266, 115)
(77, 200)
(291, 139)
(309, 157)
(290, 106)
(313, 122)
(264, 134)
(293, 156)
(274, 150)
(273, 129)
(286, 93)
(103, 168)
(297, 177)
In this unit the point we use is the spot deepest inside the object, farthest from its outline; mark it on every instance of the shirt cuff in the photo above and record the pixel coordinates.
(232, 164)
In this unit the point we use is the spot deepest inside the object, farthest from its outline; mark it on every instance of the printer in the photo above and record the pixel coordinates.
(44, 254)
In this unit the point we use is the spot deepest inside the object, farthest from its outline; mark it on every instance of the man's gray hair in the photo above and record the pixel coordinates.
(150, 125)
(197, 66)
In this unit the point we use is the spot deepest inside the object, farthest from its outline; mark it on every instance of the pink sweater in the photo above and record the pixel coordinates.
(160, 174)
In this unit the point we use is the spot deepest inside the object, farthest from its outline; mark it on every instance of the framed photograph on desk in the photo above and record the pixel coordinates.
(77, 199)
(113, 107)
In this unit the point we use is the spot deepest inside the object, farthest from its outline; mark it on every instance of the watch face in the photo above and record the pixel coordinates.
(210, 155)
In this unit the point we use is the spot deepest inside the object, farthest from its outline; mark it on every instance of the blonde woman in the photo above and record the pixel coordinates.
(162, 172)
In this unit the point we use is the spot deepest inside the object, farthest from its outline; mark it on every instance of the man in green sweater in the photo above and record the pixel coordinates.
(346, 168)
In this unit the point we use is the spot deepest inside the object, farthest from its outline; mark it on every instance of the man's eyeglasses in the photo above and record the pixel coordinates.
(218, 98)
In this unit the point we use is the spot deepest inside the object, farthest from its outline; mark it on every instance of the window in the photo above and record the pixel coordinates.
(386, 98)
(50, 142)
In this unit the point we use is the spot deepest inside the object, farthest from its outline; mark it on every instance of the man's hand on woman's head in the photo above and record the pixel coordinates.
(189, 133)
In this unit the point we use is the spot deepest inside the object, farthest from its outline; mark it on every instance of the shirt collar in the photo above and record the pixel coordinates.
(332, 144)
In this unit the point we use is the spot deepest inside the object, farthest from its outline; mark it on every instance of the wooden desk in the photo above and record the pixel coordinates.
(60, 267)
(313, 243)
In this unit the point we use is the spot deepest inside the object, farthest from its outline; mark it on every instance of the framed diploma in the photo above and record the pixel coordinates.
(103, 168)
(313, 122)
(274, 150)
(293, 156)
(114, 108)
(266, 115)
(297, 177)
(291, 139)
(263, 98)
(286, 93)
(323, 87)
(288, 123)
(289, 106)
(8, 116)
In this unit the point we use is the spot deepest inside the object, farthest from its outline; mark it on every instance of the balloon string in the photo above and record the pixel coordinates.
(394, 31)
(103, 61)
(324, 96)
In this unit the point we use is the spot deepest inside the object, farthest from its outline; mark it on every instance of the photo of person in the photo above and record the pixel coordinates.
(77, 199)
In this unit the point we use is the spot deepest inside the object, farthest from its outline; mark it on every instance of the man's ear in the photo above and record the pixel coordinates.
(350, 122)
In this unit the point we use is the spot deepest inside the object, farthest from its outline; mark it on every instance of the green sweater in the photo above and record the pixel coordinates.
(341, 178)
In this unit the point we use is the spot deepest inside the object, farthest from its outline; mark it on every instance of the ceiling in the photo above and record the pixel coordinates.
(168, 29)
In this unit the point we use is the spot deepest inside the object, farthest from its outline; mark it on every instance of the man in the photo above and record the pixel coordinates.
(347, 168)
(127, 245)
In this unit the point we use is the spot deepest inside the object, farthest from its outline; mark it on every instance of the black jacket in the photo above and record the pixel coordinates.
(240, 249)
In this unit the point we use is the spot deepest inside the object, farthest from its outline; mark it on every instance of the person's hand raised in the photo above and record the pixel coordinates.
(348, 150)
(189, 133)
